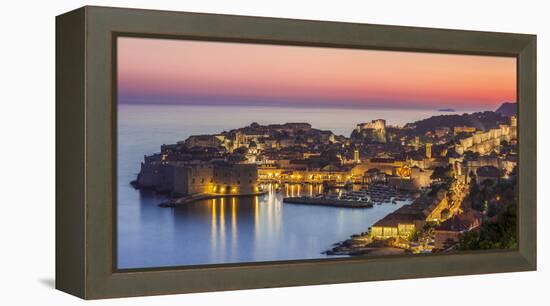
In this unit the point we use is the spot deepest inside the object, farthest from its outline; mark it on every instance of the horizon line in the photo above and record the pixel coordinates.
(321, 106)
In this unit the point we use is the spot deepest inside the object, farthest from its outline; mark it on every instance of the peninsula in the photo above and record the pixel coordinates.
(448, 169)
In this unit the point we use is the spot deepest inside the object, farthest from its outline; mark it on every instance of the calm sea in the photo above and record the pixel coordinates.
(231, 230)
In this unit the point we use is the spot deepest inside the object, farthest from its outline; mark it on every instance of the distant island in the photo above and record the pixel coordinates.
(450, 110)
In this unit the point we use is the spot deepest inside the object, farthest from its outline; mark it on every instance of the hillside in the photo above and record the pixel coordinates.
(482, 121)
(507, 109)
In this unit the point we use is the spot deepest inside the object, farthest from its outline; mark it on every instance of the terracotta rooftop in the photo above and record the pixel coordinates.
(463, 222)
(416, 211)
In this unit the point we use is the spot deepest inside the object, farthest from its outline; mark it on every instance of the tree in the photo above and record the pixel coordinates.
(442, 173)
(498, 234)
(469, 241)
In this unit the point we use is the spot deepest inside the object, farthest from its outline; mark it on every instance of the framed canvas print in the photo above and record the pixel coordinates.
(200, 152)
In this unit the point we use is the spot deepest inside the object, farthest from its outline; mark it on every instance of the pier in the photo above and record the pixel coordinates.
(327, 201)
(203, 196)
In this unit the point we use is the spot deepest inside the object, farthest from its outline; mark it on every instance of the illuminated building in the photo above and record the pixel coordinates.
(196, 177)
(409, 219)
(486, 142)
(356, 156)
(212, 141)
(463, 129)
(386, 165)
(513, 121)
(192, 178)
(374, 130)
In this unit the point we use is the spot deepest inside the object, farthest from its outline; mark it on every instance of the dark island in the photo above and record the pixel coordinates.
(449, 110)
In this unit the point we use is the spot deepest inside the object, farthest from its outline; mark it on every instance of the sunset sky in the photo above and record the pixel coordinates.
(218, 73)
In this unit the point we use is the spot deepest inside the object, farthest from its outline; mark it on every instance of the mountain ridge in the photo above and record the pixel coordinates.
(507, 109)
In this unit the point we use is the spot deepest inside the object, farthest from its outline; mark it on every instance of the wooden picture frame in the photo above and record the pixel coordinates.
(85, 160)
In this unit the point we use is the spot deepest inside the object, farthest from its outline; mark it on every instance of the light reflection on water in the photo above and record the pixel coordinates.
(240, 229)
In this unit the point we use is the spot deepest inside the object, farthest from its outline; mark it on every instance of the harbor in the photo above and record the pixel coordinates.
(365, 197)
